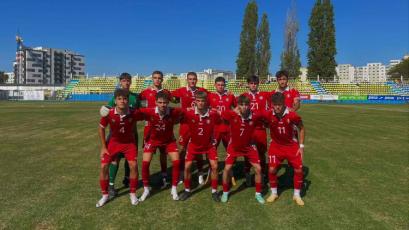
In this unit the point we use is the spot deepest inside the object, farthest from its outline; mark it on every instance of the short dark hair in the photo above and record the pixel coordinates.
(201, 95)
(191, 73)
(282, 73)
(253, 78)
(242, 99)
(163, 95)
(121, 92)
(125, 76)
(219, 79)
(277, 98)
(157, 72)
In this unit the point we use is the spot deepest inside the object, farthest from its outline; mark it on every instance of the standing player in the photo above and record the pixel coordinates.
(222, 101)
(125, 81)
(292, 96)
(284, 146)
(149, 95)
(122, 125)
(162, 120)
(242, 123)
(186, 97)
(201, 121)
(259, 102)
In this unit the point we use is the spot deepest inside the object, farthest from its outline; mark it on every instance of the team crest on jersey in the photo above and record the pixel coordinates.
(113, 120)
(235, 120)
(151, 95)
(288, 121)
(214, 99)
(193, 121)
(251, 123)
(261, 97)
(208, 121)
(288, 95)
(130, 119)
(227, 99)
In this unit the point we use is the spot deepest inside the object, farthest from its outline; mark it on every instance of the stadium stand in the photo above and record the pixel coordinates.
(357, 89)
(100, 86)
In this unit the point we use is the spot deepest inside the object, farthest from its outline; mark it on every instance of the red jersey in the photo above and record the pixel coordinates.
(161, 131)
(282, 131)
(241, 130)
(149, 94)
(290, 95)
(201, 128)
(259, 101)
(187, 96)
(222, 102)
(122, 126)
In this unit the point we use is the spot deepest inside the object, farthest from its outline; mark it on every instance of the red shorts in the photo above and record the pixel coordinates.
(168, 147)
(278, 153)
(129, 150)
(184, 135)
(260, 140)
(249, 153)
(192, 152)
(221, 136)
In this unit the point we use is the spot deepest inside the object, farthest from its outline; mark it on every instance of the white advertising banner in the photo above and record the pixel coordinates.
(324, 97)
(33, 95)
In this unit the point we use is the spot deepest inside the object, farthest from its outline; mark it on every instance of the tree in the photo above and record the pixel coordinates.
(263, 48)
(400, 70)
(3, 77)
(290, 57)
(246, 60)
(321, 42)
(329, 64)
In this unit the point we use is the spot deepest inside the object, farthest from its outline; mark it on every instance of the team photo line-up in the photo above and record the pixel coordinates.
(206, 119)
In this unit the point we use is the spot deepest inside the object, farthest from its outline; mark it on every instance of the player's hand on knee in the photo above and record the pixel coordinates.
(103, 152)
(104, 110)
(300, 152)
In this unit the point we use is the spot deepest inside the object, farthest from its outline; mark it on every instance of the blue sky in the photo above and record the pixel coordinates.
(139, 36)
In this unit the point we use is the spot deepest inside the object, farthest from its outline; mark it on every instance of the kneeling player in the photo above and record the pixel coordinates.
(284, 146)
(122, 123)
(162, 120)
(242, 123)
(201, 122)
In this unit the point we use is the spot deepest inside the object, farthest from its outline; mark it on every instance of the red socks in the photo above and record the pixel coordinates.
(104, 186)
(187, 183)
(273, 180)
(298, 179)
(226, 187)
(133, 183)
(175, 172)
(145, 173)
(259, 186)
(214, 184)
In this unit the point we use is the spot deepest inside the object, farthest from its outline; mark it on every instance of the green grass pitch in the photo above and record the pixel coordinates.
(356, 155)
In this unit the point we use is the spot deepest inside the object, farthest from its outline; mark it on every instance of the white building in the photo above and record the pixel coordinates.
(361, 74)
(47, 66)
(304, 72)
(376, 72)
(345, 73)
(10, 79)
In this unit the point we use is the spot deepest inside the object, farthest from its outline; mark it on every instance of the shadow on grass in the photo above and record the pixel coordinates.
(285, 180)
